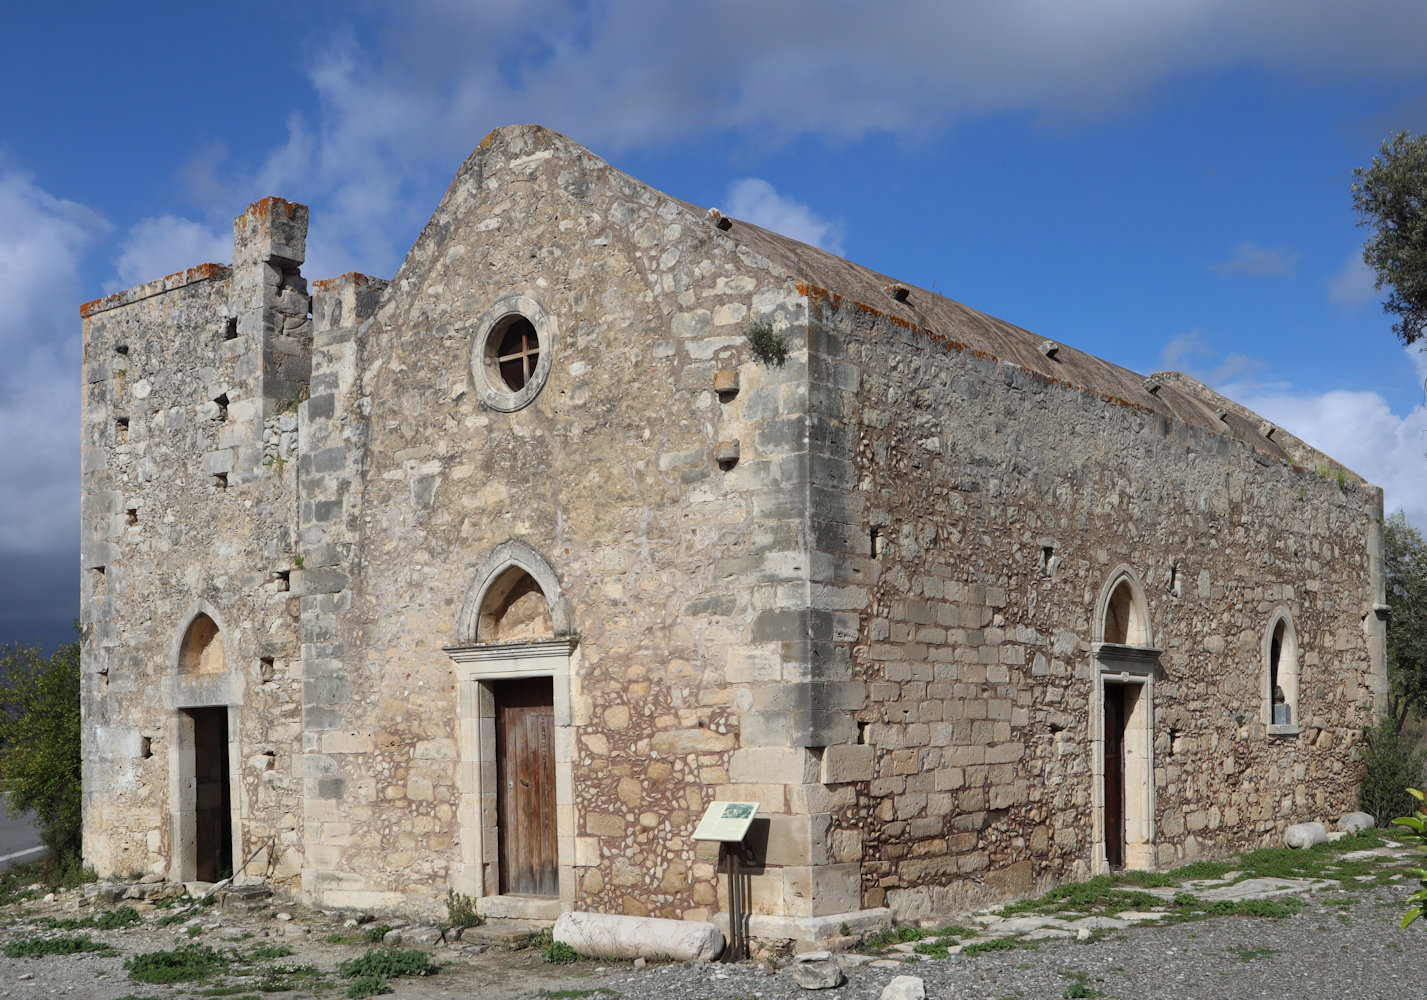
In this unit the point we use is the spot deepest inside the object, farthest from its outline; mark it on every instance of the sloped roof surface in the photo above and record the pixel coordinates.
(950, 320)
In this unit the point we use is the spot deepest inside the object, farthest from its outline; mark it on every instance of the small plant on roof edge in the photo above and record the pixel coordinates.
(769, 347)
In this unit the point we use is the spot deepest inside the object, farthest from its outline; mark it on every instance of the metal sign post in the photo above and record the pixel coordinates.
(728, 823)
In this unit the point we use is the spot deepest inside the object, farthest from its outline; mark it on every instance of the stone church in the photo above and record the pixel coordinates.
(493, 576)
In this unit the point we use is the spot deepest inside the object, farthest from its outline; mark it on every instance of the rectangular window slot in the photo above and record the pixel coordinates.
(266, 670)
(98, 579)
(131, 516)
(874, 546)
(146, 748)
(121, 429)
(104, 678)
(222, 403)
(220, 480)
(862, 733)
(230, 329)
(284, 579)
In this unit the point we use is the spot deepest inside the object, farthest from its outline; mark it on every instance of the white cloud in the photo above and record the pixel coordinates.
(41, 244)
(755, 200)
(1354, 284)
(402, 105)
(1255, 261)
(1359, 430)
(1194, 354)
(165, 244)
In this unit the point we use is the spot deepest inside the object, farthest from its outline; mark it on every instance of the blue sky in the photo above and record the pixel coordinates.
(1163, 184)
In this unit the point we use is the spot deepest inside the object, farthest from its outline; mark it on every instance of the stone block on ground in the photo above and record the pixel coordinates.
(817, 970)
(611, 935)
(905, 988)
(1354, 822)
(1301, 835)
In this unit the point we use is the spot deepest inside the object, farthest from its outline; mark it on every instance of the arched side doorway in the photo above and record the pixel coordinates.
(514, 666)
(202, 696)
(1122, 726)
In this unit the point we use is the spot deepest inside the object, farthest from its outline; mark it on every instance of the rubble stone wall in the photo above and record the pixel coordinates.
(993, 506)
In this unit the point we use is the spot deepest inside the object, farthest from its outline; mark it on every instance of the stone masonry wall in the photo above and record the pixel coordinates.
(189, 500)
(989, 507)
(674, 568)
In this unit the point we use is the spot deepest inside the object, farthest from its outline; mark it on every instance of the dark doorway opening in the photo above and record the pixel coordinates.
(1116, 715)
(525, 793)
(212, 795)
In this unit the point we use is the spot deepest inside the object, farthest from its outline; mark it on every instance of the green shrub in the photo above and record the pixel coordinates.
(1390, 767)
(271, 951)
(996, 944)
(54, 946)
(388, 963)
(769, 347)
(124, 916)
(184, 963)
(1416, 829)
(39, 746)
(559, 953)
(375, 933)
(461, 910)
(367, 986)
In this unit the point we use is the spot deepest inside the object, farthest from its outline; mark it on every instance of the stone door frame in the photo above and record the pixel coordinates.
(477, 873)
(190, 691)
(1115, 664)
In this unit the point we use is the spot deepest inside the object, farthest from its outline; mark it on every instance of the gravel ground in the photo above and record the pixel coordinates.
(1340, 945)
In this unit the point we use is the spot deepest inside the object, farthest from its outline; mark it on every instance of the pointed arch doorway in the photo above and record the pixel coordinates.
(514, 675)
(1122, 726)
(202, 695)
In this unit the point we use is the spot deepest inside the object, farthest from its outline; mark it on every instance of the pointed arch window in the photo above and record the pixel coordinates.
(1280, 676)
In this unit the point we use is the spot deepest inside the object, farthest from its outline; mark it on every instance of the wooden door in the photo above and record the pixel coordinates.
(525, 775)
(1114, 770)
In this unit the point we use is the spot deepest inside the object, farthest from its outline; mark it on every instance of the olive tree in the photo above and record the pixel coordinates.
(1389, 195)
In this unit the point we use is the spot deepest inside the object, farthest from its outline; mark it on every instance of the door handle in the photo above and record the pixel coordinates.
(525, 783)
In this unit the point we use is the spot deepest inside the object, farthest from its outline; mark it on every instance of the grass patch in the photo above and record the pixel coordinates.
(1080, 986)
(124, 916)
(995, 944)
(577, 994)
(34, 947)
(375, 933)
(1249, 954)
(934, 948)
(182, 964)
(270, 951)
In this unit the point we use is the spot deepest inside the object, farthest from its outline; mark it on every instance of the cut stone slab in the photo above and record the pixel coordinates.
(1140, 916)
(612, 935)
(1100, 924)
(905, 988)
(1046, 934)
(1263, 888)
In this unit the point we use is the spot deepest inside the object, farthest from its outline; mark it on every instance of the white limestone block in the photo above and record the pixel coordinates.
(1355, 821)
(612, 935)
(905, 988)
(1301, 835)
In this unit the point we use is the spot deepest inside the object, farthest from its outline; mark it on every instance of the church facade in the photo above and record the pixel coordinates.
(492, 577)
